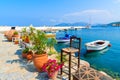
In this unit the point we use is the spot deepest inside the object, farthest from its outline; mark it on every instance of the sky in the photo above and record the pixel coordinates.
(52, 12)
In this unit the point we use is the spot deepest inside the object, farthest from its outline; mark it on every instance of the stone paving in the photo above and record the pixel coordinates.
(13, 66)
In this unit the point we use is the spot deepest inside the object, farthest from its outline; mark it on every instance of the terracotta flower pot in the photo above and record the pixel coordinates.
(6, 33)
(10, 34)
(40, 60)
(27, 39)
(29, 55)
(24, 55)
(15, 35)
(16, 42)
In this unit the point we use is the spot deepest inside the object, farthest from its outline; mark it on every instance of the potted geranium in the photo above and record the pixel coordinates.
(52, 67)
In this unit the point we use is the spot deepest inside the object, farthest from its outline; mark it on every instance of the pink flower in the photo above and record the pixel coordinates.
(51, 67)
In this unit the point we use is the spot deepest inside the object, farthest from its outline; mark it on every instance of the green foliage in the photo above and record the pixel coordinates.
(24, 30)
(26, 50)
(32, 29)
(59, 58)
(51, 42)
(52, 52)
(32, 32)
(40, 42)
(15, 33)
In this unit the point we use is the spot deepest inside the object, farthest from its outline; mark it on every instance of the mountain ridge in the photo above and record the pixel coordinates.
(73, 24)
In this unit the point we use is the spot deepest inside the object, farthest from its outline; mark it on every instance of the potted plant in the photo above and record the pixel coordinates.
(27, 53)
(52, 67)
(15, 34)
(24, 52)
(39, 47)
(25, 35)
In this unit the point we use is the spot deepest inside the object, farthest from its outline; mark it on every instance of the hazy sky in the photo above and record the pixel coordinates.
(51, 12)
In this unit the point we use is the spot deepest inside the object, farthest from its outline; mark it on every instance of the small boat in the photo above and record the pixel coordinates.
(66, 38)
(97, 45)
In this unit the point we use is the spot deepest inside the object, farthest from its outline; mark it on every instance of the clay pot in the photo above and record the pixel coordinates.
(27, 39)
(39, 60)
(29, 55)
(6, 33)
(10, 34)
(15, 35)
(16, 42)
(24, 55)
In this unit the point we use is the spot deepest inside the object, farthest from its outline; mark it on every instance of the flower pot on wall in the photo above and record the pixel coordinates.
(39, 60)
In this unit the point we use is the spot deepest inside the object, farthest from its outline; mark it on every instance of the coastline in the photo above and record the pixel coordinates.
(53, 28)
(58, 28)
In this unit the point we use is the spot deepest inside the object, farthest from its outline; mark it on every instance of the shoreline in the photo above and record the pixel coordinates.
(18, 28)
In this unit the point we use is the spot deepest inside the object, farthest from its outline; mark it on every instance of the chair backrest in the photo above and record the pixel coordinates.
(75, 42)
(12, 27)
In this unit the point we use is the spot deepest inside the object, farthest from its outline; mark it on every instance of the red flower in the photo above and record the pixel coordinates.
(51, 67)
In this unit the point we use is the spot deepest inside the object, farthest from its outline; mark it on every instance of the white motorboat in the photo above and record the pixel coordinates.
(63, 40)
(66, 38)
(97, 45)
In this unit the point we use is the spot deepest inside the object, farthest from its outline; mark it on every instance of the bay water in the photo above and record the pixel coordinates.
(108, 58)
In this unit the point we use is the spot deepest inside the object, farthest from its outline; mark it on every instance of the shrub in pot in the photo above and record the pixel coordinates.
(24, 52)
(25, 35)
(27, 54)
(39, 47)
(15, 34)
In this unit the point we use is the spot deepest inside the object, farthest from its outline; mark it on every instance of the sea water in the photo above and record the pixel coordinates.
(108, 58)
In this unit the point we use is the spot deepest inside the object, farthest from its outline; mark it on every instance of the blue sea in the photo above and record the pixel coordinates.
(108, 58)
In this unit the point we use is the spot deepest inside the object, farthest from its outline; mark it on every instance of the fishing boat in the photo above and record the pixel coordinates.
(97, 45)
(66, 38)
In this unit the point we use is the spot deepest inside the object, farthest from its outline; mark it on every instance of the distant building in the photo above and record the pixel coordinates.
(116, 24)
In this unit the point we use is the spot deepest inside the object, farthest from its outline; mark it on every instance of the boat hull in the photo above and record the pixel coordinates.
(62, 41)
(93, 46)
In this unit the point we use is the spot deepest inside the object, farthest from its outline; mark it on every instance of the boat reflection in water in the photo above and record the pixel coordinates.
(96, 53)
(104, 50)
